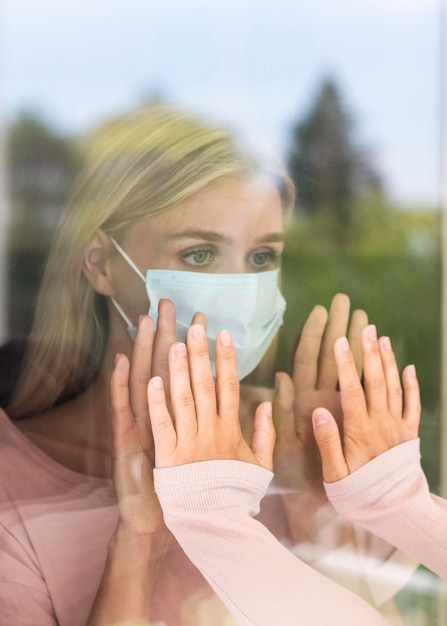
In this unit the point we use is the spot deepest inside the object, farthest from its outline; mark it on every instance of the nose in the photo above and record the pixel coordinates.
(235, 264)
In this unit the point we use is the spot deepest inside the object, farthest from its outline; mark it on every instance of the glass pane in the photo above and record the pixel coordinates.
(347, 96)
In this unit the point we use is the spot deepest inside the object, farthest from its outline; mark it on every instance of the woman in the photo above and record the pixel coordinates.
(160, 191)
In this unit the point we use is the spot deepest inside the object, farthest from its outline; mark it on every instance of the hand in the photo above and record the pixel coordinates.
(314, 383)
(140, 512)
(205, 425)
(139, 544)
(163, 340)
(375, 419)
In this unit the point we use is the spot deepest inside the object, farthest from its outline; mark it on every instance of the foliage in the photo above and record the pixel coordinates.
(398, 287)
(42, 166)
(329, 170)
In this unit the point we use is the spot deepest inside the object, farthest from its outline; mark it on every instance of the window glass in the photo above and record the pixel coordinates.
(346, 95)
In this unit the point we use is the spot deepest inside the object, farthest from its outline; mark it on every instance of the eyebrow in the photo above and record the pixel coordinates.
(214, 237)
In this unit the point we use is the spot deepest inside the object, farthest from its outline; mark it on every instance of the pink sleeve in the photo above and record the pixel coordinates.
(390, 497)
(208, 507)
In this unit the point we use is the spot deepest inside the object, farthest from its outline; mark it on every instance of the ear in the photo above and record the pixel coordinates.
(96, 266)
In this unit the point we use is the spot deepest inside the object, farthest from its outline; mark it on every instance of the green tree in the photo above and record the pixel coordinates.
(330, 171)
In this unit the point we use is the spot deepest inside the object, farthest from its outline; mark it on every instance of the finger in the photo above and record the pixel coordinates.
(199, 318)
(163, 340)
(412, 404)
(392, 378)
(122, 417)
(140, 368)
(263, 440)
(327, 436)
(374, 377)
(227, 381)
(182, 399)
(305, 364)
(359, 320)
(283, 408)
(351, 391)
(165, 438)
(336, 326)
(202, 381)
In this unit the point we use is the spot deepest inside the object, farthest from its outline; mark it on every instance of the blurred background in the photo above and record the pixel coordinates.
(348, 94)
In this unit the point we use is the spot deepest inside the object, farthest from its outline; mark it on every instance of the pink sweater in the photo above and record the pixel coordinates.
(55, 526)
(209, 508)
(390, 497)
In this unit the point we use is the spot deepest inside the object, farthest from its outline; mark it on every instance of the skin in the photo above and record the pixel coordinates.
(206, 415)
(375, 418)
(313, 383)
(139, 544)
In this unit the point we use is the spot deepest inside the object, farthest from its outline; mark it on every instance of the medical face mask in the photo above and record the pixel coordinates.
(250, 306)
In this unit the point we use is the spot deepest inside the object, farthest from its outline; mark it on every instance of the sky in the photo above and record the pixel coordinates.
(254, 64)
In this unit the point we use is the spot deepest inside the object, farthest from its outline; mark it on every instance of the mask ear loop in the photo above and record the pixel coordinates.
(121, 312)
(127, 258)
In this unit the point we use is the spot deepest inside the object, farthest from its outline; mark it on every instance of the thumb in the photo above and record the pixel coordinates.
(329, 444)
(264, 435)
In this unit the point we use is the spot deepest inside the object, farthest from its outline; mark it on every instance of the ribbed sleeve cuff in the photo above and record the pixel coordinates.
(384, 482)
(211, 485)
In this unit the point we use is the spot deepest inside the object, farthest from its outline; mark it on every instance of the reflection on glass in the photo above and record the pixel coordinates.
(365, 220)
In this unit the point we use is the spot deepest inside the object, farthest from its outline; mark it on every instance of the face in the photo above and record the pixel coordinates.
(228, 227)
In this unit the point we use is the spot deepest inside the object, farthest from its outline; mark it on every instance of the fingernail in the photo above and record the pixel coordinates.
(371, 332)
(268, 409)
(226, 338)
(320, 417)
(156, 382)
(385, 343)
(344, 344)
(117, 357)
(412, 370)
(198, 331)
(180, 349)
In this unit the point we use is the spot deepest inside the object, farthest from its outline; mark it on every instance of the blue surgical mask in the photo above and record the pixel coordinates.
(250, 306)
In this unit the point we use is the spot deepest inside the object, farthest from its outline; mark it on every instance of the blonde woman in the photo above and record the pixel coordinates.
(167, 207)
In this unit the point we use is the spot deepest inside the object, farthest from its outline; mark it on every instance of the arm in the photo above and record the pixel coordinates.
(372, 472)
(321, 536)
(209, 482)
(139, 543)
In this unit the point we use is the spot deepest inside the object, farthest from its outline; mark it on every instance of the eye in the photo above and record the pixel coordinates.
(201, 256)
(265, 259)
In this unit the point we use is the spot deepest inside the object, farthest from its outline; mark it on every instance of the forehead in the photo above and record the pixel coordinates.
(233, 208)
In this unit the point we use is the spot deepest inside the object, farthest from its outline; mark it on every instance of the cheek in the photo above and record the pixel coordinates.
(130, 293)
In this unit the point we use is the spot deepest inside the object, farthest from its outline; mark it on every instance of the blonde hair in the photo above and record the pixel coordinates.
(137, 166)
